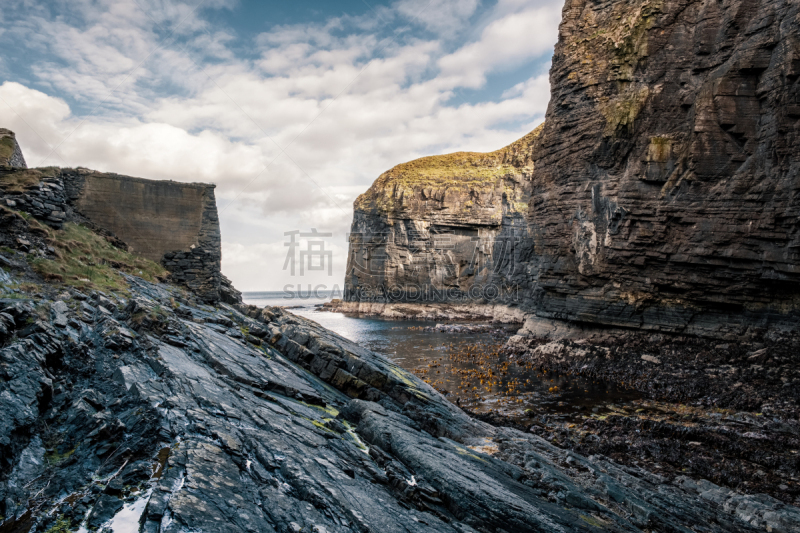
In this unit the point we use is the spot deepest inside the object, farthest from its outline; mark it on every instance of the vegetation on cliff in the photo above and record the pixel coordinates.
(86, 260)
(459, 172)
(19, 181)
(75, 255)
(7, 146)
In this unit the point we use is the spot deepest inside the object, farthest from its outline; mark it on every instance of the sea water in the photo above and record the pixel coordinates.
(458, 364)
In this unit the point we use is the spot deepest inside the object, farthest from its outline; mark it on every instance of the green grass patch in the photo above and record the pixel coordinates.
(157, 314)
(461, 171)
(6, 147)
(13, 296)
(87, 261)
(55, 458)
(19, 181)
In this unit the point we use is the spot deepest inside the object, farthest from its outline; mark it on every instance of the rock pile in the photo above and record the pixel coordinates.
(44, 199)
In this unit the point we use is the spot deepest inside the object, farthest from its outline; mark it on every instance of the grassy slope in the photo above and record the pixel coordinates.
(87, 261)
(18, 181)
(460, 170)
(6, 148)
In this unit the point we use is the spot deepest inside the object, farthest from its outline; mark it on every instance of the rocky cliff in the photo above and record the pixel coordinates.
(173, 224)
(663, 191)
(666, 189)
(442, 229)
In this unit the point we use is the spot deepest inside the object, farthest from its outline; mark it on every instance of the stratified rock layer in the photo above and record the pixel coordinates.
(662, 192)
(442, 229)
(666, 187)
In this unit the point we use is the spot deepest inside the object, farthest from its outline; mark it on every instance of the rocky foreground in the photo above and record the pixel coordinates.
(247, 419)
(727, 412)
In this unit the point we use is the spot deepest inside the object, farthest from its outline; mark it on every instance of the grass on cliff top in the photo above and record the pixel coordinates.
(87, 261)
(462, 170)
(19, 180)
(6, 147)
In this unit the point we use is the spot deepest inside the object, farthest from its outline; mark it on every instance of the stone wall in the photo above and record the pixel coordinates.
(153, 217)
(171, 223)
(38, 192)
(10, 152)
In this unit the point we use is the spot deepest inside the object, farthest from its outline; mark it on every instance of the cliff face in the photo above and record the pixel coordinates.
(442, 229)
(663, 192)
(666, 187)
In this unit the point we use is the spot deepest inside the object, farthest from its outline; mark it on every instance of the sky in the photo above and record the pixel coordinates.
(292, 109)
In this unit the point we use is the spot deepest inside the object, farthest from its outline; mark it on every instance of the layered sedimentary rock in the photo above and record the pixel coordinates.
(664, 185)
(171, 223)
(442, 229)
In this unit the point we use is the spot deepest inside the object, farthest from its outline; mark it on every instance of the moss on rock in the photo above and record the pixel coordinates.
(7, 147)
(621, 112)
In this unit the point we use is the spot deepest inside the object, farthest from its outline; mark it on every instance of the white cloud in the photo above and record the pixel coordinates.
(336, 113)
(439, 16)
(507, 41)
(36, 118)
